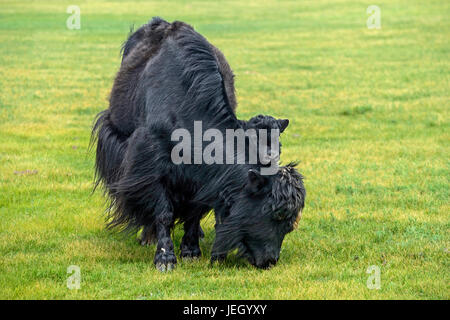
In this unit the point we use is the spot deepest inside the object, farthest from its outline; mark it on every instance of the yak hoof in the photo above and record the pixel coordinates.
(165, 267)
(191, 254)
(165, 261)
(219, 258)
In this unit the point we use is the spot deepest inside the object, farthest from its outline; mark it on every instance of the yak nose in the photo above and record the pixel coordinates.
(268, 263)
(272, 262)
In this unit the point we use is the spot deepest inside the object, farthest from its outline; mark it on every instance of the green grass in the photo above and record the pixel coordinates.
(369, 113)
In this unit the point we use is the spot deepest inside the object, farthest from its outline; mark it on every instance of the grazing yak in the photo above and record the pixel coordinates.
(171, 78)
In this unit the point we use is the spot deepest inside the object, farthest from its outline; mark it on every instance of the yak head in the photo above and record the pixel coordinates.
(266, 209)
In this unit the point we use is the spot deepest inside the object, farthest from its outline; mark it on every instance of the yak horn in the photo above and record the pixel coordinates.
(299, 216)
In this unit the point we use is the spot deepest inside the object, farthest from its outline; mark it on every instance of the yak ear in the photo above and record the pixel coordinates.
(255, 180)
(283, 123)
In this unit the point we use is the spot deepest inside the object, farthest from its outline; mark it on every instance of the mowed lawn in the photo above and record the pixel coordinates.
(369, 113)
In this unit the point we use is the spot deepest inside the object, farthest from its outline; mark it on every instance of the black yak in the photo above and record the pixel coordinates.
(170, 78)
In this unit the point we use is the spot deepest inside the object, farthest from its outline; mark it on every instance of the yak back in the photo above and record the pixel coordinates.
(170, 73)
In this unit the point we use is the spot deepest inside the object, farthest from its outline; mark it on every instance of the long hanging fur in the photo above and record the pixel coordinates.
(169, 77)
(115, 127)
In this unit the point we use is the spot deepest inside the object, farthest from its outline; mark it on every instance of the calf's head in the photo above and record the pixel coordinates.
(267, 208)
(267, 123)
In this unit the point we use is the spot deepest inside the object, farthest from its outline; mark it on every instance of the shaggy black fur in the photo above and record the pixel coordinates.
(170, 76)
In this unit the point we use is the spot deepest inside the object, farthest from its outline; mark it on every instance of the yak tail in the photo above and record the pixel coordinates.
(122, 214)
(111, 147)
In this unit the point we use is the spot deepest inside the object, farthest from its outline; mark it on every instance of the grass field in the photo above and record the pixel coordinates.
(369, 113)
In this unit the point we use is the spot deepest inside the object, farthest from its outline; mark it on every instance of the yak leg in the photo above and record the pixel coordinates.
(192, 232)
(190, 243)
(217, 256)
(164, 219)
(221, 213)
(148, 235)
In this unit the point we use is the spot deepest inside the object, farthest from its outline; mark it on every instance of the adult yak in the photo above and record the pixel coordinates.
(171, 76)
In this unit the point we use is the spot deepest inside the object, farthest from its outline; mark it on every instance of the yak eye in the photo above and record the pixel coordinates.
(279, 215)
